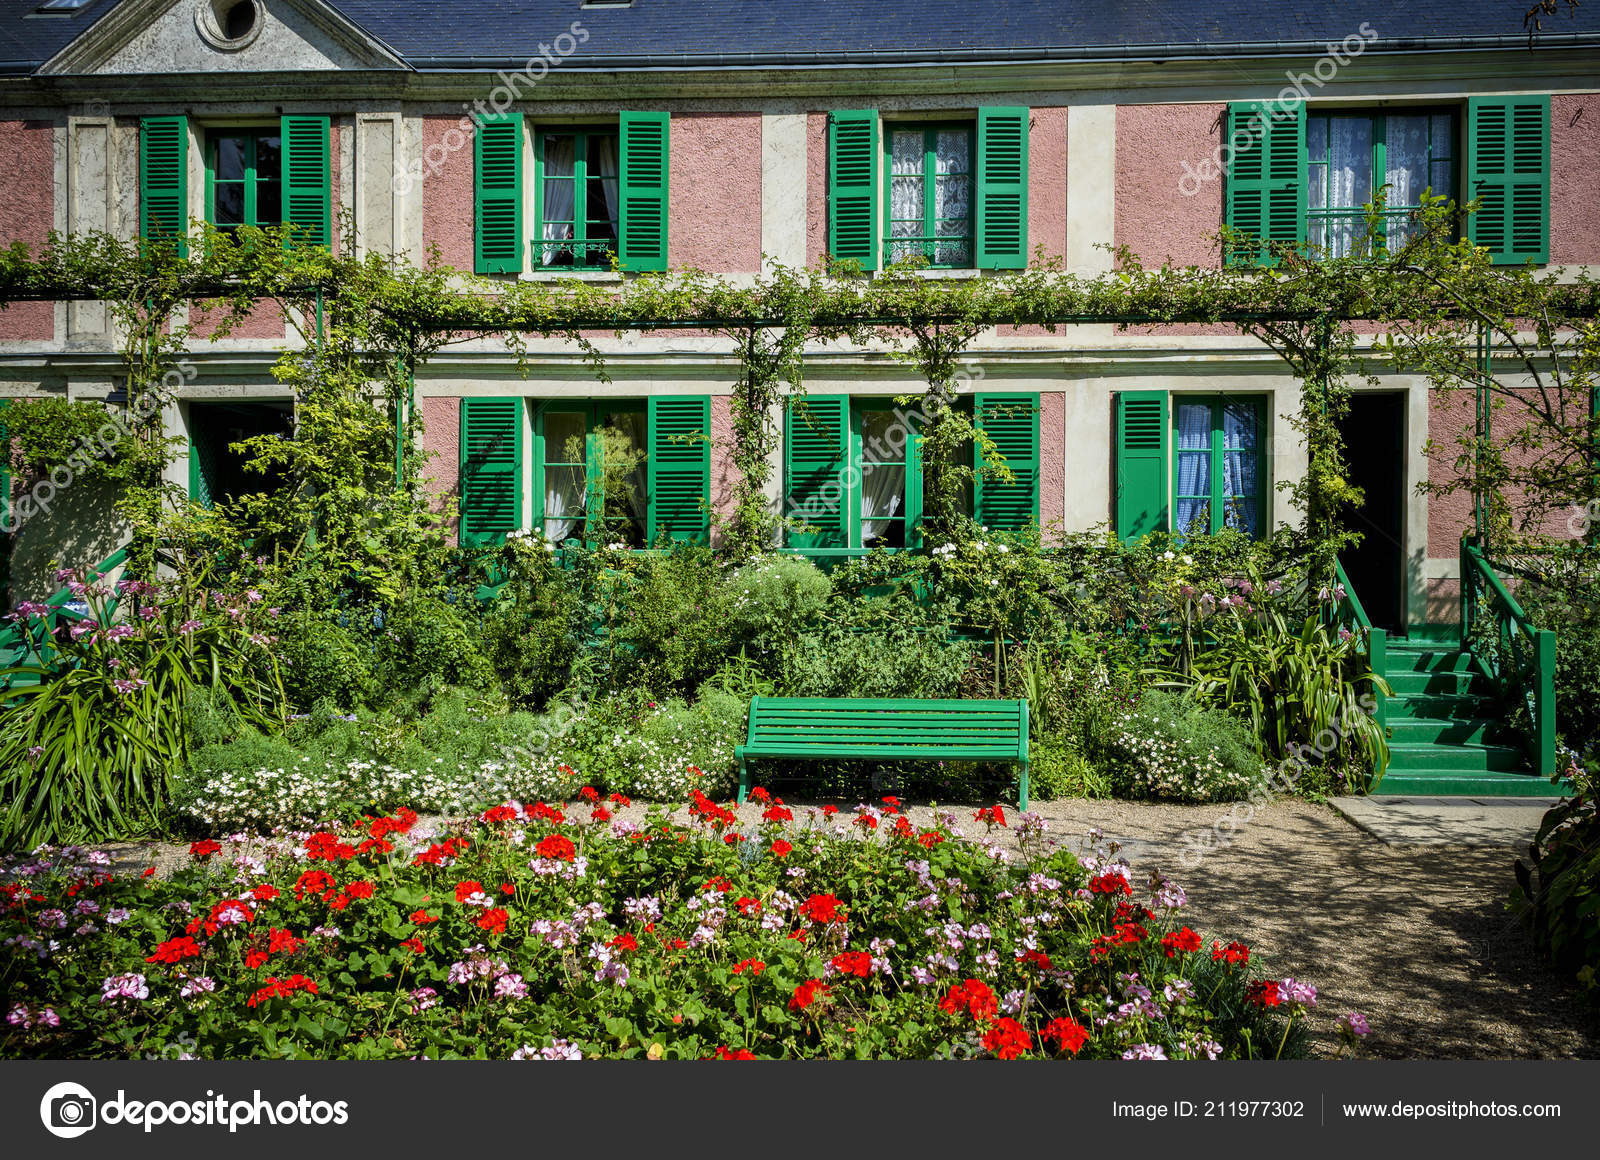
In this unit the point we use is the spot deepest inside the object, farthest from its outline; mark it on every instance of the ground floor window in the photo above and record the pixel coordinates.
(1218, 465)
(219, 469)
(592, 472)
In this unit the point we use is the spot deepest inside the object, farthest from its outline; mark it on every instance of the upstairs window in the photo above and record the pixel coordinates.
(244, 178)
(578, 212)
(930, 194)
(1351, 156)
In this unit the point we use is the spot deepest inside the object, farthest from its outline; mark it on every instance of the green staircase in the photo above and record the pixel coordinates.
(1447, 736)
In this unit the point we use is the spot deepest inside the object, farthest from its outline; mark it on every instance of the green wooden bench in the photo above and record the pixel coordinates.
(863, 729)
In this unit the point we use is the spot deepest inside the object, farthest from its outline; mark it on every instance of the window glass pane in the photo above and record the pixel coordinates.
(627, 499)
(229, 198)
(883, 497)
(951, 199)
(1444, 135)
(1317, 182)
(1242, 490)
(1192, 516)
(564, 501)
(1194, 426)
(950, 151)
(563, 438)
(905, 206)
(906, 152)
(601, 191)
(269, 204)
(1442, 178)
(269, 156)
(1406, 149)
(1239, 423)
(558, 155)
(1350, 161)
(230, 158)
(883, 438)
(1316, 139)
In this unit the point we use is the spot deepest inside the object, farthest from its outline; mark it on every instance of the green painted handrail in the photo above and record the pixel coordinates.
(1483, 591)
(1357, 620)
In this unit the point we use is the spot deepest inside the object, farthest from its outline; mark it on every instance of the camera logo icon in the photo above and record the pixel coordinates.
(68, 1110)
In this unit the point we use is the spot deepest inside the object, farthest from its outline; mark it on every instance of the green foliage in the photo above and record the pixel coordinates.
(655, 616)
(768, 602)
(324, 660)
(1058, 770)
(1564, 595)
(1173, 749)
(532, 631)
(883, 646)
(87, 749)
(87, 438)
(429, 641)
(1559, 894)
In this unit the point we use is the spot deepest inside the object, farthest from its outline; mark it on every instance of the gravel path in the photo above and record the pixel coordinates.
(1419, 940)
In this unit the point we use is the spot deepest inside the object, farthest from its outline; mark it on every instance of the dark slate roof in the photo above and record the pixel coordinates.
(479, 33)
(823, 31)
(27, 41)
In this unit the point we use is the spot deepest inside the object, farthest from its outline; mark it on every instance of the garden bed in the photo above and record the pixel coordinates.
(540, 932)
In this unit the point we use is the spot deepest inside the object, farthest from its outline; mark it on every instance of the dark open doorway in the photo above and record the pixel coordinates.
(1374, 441)
(218, 473)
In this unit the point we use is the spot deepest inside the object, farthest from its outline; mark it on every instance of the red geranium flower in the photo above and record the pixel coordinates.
(493, 920)
(754, 966)
(313, 882)
(778, 814)
(282, 988)
(822, 908)
(414, 945)
(857, 963)
(621, 800)
(203, 849)
(1180, 942)
(808, 993)
(557, 846)
(1111, 882)
(539, 811)
(589, 794)
(991, 815)
(930, 838)
(266, 892)
(749, 906)
(741, 1053)
(1007, 1039)
(465, 890)
(1263, 993)
(1035, 959)
(326, 847)
(1069, 1034)
(1235, 954)
(599, 814)
(421, 917)
(497, 814)
(782, 849)
(973, 997)
(359, 890)
(175, 950)
(624, 942)
(719, 884)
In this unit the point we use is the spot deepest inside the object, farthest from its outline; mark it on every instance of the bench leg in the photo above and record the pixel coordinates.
(1022, 784)
(744, 780)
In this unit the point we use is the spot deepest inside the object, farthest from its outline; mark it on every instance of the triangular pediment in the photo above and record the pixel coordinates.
(162, 37)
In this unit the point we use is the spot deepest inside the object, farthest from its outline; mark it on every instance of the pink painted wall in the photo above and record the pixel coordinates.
(441, 439)
(816, 187)
(447, 190)
(714, 219)
(27, 214)
(1052, 458)
(1574, 161)
(1047, 182)
(724, 475)
(265, 321)
(1154, 216)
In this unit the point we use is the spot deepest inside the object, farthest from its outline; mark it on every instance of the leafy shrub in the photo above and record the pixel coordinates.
(324, 660)
(656, 750)
(636, 949)
(1177, 750)
(425, 639)
(876, 647)
(532, 633)
(87, 748)
(768, 602)
(657, 618)
(1575, 619)
(1057, 770)
(1559, 893)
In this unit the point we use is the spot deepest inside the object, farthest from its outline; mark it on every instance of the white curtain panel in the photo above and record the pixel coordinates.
(1194, 466)
(559, 194)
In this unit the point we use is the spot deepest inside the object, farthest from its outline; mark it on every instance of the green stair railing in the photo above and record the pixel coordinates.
(1353, 616)
(1518, 656)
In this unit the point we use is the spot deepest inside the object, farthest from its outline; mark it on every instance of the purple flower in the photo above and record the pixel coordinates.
(1297, 994)
(129, 986)
(201, 985)
(1144, 1051)
(1354, 1025)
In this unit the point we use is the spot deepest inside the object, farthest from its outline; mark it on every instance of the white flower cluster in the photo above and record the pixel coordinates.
(1170, 768)
(664, 768)
(309, 791)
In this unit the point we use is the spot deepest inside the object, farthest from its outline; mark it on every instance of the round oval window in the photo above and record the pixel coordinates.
(240, 20)
(229, 25)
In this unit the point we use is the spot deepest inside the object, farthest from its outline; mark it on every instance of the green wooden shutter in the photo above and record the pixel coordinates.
(164, 178)
(644, 168)
(308, 179)
(491, 470)
(497, 152)
(680, 468)
(815, 455)
(1266, 179)
(202, 460)
(1002, 188)
(1508, 171)
(853, 186)
(1012, 422)
(1142, 499)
